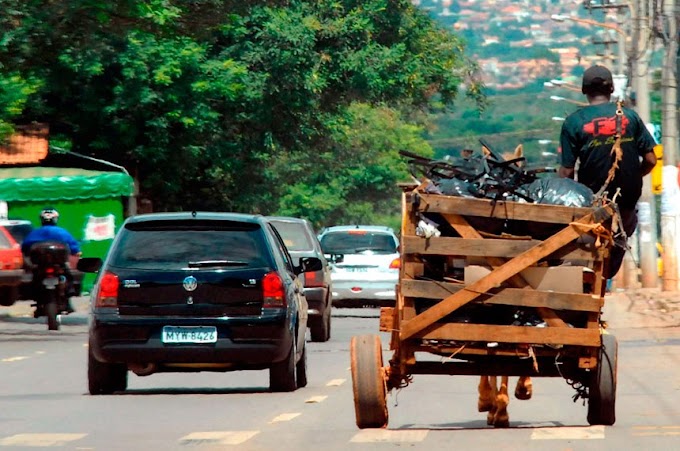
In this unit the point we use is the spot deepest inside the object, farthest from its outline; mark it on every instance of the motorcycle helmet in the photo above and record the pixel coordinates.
(49, 216)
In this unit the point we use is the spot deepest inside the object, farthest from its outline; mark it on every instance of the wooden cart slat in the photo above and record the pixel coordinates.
(499, 275)
(555, 214)
(511, 334)
(506, 296)
(480, 247)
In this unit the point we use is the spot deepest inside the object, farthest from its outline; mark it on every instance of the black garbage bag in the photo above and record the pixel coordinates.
(559, 191)
(454, 187)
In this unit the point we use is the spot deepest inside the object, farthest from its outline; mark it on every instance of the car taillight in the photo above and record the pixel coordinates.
(107, 296)
(314, 279)
(396, 263)
(273, 293)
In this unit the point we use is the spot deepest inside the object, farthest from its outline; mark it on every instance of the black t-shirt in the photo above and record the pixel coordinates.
(588, 136)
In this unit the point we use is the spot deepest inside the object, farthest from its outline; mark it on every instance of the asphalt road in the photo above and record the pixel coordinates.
(44, 400)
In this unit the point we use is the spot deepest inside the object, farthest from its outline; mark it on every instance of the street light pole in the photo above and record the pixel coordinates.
(670, 208)
(640, 53)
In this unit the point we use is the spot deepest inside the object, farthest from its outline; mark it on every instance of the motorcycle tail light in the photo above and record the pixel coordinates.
(273, 292)
(107, 295)
(49, 271)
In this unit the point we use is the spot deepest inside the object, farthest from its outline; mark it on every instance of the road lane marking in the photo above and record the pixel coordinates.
(284, 417)
(569, 433)
(43, 440)
(389, 436)
(14, 359)
(39, 352)
(335, 382)
(315, 399)
(218, 438)
(649, 431)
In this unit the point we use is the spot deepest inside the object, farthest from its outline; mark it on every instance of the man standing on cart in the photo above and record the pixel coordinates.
(602, 136)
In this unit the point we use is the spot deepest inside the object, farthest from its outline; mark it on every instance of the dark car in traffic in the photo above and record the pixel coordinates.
(199, 291)
(299, 237)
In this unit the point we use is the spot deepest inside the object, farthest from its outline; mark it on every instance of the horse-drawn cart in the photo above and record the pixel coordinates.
(503, 288)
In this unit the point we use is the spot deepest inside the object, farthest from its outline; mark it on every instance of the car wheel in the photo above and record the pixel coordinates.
(282, 375)
(328, 327)
(319, 329)
(105, 378)
(301, 369)
(8, 296)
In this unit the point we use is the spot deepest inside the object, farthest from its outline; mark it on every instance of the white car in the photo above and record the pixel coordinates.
(364, 264)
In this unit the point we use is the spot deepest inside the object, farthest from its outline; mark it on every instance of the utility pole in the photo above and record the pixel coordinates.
(640, 55)
(670, 208)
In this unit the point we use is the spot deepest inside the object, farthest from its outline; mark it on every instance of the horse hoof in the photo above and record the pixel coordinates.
(523, 392)
(484, 406)
(490, 418)
(501, 423)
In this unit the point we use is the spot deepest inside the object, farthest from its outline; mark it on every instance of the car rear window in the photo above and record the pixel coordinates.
(358, 241)
(19, 231)
(4, 242)
(294, 235)
(171, 246)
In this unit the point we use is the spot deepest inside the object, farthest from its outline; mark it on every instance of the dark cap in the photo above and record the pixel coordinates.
(596, 78)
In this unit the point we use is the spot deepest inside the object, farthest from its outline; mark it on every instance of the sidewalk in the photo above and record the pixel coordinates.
(642, 307)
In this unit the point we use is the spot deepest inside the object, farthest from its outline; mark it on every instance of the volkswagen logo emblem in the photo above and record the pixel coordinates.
(190, 283)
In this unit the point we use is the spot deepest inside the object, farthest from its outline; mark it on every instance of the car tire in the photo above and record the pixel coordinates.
(320, 330)
(8, 296)
(105, 378)
(301, 369)
(282, 375)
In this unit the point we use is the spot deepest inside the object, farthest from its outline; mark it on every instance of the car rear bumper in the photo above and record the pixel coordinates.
(364, 290)
(243, 342)
(316, 300)
(11, 277)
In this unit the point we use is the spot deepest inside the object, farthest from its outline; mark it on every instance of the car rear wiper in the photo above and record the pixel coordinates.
(211, 263)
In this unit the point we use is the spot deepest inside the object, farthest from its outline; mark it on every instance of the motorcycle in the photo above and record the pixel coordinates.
(49, 266)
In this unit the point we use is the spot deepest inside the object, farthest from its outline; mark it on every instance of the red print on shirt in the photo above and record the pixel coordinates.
(605, 126)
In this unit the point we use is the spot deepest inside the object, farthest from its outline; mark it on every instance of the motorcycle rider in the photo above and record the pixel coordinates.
(50, 231)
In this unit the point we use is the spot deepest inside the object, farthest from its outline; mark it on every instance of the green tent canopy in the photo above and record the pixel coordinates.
(47, 183)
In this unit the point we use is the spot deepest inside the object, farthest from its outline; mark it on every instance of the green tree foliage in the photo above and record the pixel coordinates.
(289, 107)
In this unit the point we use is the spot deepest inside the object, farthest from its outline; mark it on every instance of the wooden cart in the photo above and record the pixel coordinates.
(459, 292)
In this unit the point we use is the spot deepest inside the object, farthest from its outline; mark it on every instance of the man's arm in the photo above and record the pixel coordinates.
(648, 163)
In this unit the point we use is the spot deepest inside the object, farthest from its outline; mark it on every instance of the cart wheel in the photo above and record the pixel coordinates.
(602, 389)
(370, 391)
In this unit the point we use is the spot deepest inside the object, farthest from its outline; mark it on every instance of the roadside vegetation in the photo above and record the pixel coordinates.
(275, 107)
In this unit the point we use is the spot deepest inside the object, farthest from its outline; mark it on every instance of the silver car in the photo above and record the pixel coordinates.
(364, 264)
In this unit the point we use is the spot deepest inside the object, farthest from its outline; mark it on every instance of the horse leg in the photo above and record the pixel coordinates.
(524, 388)
(493, 384)
(485, 401)
(501, 418)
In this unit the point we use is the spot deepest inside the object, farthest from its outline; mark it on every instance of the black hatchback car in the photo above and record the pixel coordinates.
(187, 292)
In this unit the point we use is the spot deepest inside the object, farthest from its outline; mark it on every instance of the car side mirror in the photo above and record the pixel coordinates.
(89, 264)
(309, 264)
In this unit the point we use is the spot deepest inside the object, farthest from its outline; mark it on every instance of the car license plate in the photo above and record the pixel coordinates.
(177, 334)
(350, 269)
